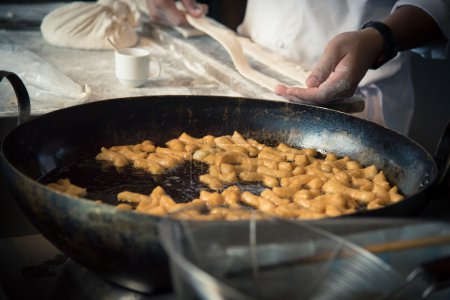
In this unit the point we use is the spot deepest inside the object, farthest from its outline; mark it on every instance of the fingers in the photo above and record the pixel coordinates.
(165, 11)
(324, 67)
(341, 67)
(338, 84)
(195, 9)
(281, 90)
(332, 89)
(174, 16)
(301, 95)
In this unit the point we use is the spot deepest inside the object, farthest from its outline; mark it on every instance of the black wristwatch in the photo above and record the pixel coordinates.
(390, 48)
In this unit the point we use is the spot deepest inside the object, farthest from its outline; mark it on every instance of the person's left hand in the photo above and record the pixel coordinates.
(343, 64)
(165, 12)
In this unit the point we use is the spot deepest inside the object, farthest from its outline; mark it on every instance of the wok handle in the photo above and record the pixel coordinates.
(442, 157)
(23, 99)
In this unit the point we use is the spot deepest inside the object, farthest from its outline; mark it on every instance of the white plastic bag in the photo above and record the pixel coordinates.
(48, 87)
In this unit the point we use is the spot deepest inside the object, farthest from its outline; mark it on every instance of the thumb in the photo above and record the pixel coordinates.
(324, 67)
(195, 9)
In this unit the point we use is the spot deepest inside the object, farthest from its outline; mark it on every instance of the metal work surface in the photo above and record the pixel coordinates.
(196, 66)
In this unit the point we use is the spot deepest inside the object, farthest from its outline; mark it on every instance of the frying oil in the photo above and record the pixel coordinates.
(103, 181)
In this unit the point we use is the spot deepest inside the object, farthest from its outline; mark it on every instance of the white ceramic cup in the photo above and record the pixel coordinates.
(133, 66)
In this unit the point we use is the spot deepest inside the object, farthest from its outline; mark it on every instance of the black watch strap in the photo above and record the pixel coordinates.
(390, 48)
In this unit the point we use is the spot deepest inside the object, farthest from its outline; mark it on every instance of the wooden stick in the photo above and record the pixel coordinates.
(374, 248)
(408, 244)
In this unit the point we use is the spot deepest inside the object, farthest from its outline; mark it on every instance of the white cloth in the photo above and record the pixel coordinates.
(300, 29)
(86, 25)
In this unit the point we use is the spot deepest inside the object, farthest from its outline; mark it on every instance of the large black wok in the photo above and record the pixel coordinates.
(124, 246)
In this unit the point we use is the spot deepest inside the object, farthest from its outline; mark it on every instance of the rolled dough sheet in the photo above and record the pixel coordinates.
(188, 32)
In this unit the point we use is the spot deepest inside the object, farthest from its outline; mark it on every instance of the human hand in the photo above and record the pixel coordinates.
(165, 11)
(343, 64)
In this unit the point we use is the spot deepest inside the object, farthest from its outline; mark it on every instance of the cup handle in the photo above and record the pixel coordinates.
(155, 74)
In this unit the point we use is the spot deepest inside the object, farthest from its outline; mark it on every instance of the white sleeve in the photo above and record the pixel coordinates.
(439, 10)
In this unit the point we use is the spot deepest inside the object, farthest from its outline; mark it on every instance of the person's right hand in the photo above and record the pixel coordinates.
(343, 64)
(165, 12)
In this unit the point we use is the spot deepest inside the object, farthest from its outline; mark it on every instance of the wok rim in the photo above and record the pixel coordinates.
(433, 178)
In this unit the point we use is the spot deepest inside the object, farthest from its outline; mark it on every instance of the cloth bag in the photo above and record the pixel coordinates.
(85, 25)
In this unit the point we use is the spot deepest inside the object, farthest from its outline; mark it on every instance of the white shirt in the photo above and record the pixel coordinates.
(300, 29)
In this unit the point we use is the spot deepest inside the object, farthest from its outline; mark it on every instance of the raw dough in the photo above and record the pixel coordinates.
(275, 61)
(188, 32)
(228, 40)
(86, 25)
